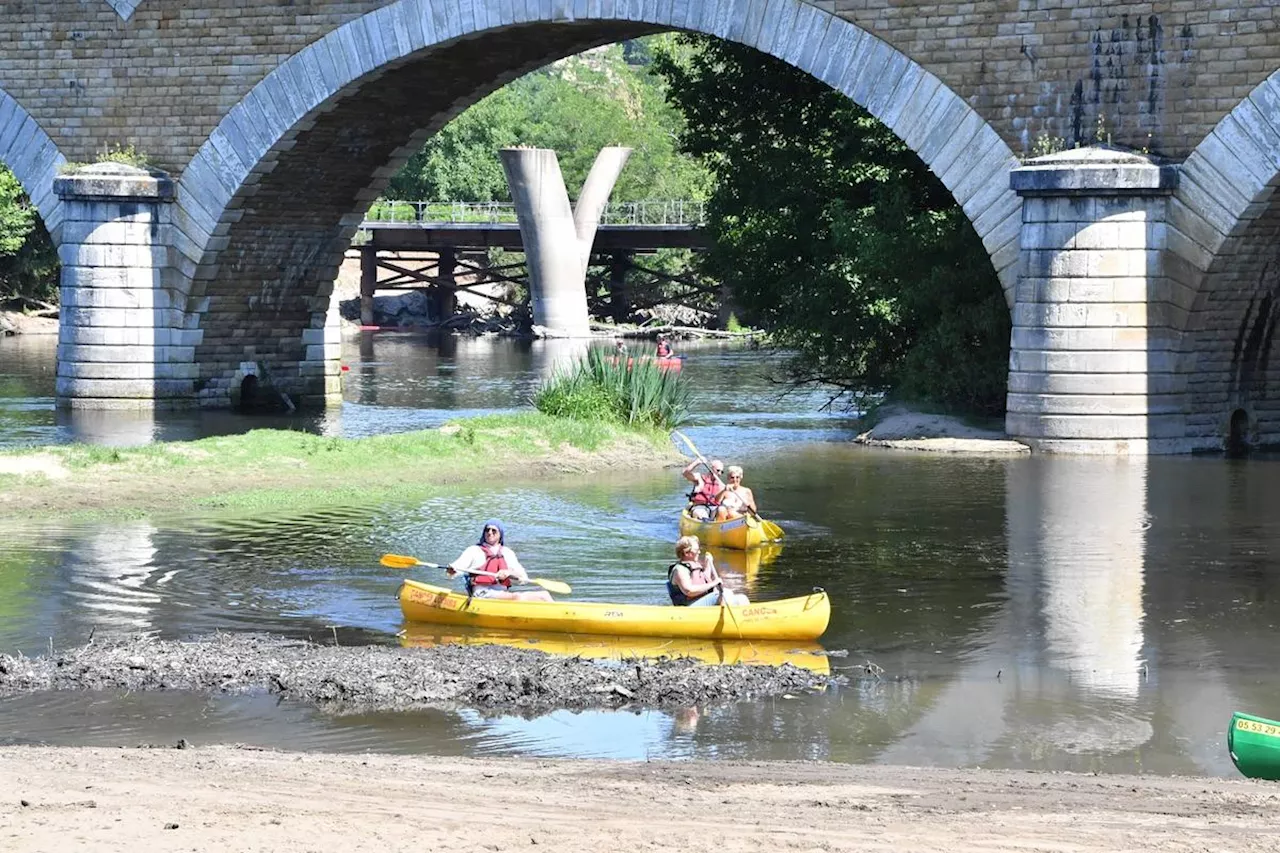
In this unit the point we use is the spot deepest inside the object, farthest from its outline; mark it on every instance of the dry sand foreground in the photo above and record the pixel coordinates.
(224, 799)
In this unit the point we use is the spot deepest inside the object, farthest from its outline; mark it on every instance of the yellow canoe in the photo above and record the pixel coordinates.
(805, 655)
(802, 618)
(741, 533)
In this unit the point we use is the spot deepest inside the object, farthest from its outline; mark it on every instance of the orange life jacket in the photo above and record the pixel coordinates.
(494, 563)
(706, 490)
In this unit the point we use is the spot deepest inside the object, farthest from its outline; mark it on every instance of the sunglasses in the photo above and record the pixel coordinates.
(492, 530)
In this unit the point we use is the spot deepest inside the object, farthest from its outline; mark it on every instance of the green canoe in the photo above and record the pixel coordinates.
(1254, 744)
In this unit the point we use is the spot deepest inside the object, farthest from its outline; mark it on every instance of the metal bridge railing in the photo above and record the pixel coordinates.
(659, 212)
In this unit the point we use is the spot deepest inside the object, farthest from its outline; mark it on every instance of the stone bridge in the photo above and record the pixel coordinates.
(1142, 286)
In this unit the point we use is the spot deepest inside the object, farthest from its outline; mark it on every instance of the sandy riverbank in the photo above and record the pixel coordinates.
(898, 428)
(221, 798)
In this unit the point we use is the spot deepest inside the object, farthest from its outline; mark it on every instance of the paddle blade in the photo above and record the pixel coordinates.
(771, 530)
(399, 561)
(558, 587)
(692, 447)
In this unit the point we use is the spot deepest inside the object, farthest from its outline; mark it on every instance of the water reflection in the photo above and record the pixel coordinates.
(804, 655)
(109, 573)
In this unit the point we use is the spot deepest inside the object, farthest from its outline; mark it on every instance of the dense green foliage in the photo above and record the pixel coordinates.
(835, 237)
(28, 262)
(606, 96)
(603, 388)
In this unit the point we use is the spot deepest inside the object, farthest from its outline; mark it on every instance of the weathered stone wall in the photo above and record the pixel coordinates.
(1162, 73)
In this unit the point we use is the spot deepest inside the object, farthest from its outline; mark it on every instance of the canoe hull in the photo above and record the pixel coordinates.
(1254, 744)
(801, 618)
(672, 363)
(740, 533)
(805, 655)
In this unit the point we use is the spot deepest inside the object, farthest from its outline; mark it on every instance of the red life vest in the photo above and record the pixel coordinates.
(706, 490)
(664, 350)
(494, 563)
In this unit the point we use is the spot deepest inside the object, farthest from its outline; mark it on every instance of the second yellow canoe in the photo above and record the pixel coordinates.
(741, 533)
(801, 618)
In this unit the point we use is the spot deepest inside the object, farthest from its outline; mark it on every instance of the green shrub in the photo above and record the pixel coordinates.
(601, 387)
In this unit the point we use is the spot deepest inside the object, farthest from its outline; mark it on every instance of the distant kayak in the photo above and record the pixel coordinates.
(674, 362)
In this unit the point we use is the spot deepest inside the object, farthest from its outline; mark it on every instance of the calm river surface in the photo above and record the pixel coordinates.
(1054, 613)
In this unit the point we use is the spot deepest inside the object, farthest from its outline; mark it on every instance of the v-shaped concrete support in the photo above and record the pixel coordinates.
(557, 238)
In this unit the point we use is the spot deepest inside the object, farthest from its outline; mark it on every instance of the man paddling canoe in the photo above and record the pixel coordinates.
(702, 500)
(499, 565)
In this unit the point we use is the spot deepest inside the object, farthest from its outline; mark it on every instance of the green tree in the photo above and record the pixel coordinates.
(576, 107)
(834, 236)
(28, 262)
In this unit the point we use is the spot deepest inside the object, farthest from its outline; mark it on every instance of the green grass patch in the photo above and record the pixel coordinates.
(263, 469)
(602, 388)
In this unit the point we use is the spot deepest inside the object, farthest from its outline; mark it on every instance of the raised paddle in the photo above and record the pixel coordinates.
(771, 530)
(400, 561)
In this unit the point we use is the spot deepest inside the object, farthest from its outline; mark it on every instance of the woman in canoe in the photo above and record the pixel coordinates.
(664, 348)
(694, 581)
(499, 566)
(735, 499)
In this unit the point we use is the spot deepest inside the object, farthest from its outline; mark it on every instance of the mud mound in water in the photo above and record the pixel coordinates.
(361, 678)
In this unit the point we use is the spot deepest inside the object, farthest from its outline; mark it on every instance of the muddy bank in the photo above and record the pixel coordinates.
(219, 798)
(899, 428)
(364, 678)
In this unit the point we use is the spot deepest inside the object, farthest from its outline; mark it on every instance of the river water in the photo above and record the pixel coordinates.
(1041, 612)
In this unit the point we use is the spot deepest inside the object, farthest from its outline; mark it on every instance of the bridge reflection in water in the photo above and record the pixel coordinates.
(1069, 636)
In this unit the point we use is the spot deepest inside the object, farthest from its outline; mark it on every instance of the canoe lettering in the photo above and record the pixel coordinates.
(1258, 728)
(759, 611)
(612, 614)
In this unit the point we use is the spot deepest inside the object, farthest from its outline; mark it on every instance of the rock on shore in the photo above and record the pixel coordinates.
(362, 678)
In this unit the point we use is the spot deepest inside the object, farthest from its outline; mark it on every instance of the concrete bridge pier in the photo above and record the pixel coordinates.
(125, 339)
(557, 237)
(1094, 350)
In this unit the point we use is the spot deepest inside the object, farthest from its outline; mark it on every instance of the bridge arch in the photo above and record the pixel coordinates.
(1223, 262)
(34, 159)
(361, 100)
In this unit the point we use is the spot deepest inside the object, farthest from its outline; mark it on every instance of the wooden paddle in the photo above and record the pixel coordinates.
(400, 561)
(771, 530)
(724, 603)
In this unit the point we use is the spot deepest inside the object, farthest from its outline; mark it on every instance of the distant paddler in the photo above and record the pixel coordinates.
(489, 568)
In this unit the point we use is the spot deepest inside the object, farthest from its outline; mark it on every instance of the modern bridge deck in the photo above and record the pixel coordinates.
(417, 236)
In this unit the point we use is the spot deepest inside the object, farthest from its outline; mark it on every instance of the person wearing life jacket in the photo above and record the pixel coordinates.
(702, 500)
(735, 499)
(489, 568)
(692, 580)
(664, 348)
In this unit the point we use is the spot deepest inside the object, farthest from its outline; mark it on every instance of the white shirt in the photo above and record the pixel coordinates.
(473, 560)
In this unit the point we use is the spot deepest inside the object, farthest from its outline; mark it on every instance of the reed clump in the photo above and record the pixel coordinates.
(603, 387)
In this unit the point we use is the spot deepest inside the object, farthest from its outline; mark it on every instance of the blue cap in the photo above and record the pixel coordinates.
(493, 522)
